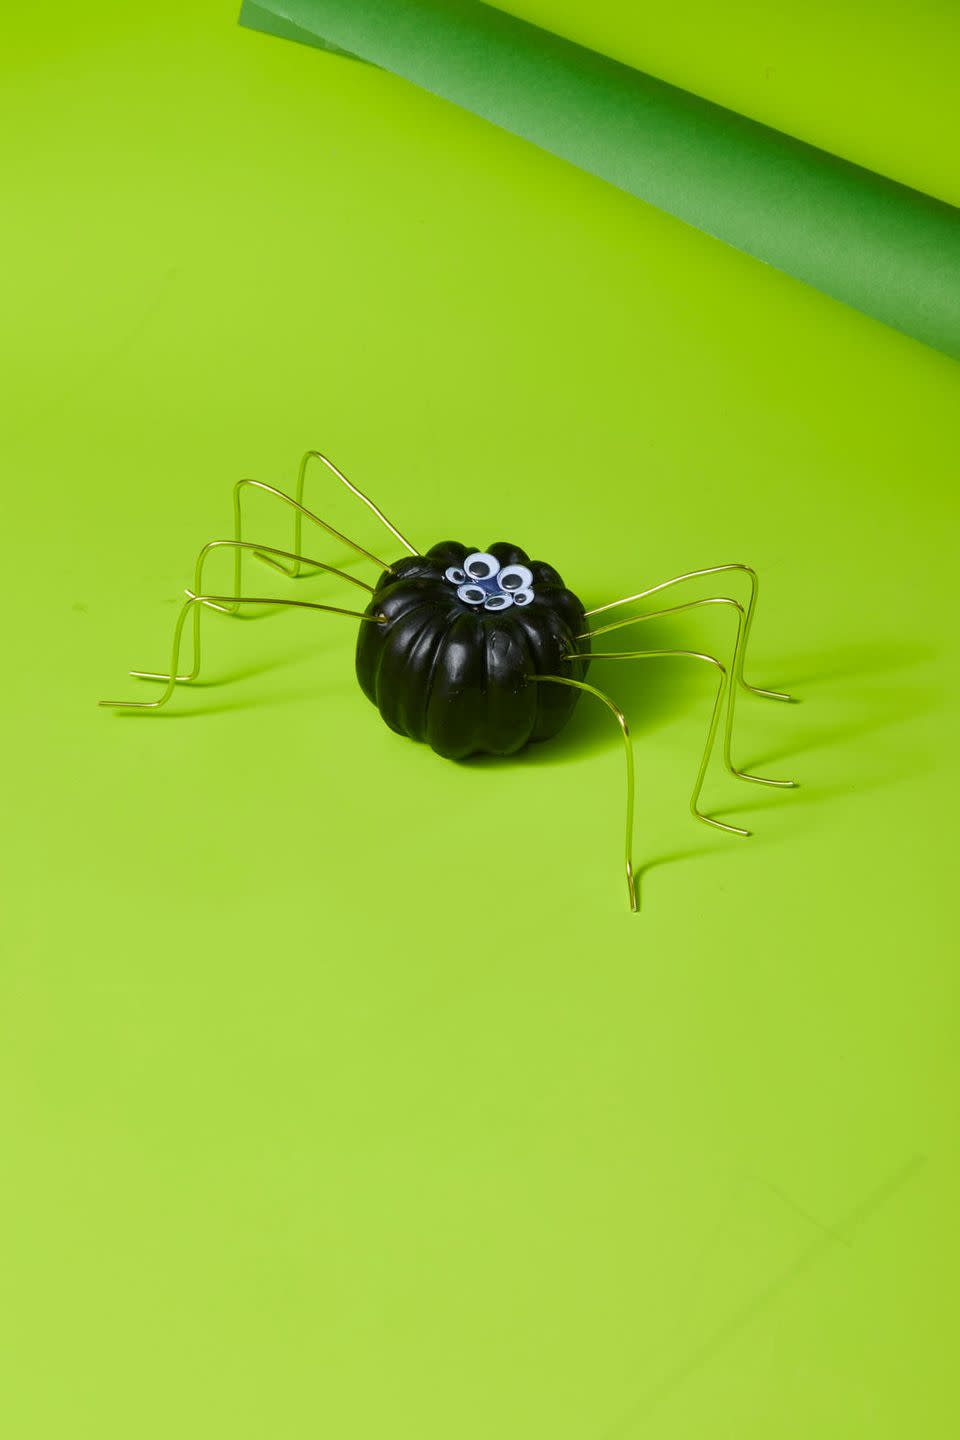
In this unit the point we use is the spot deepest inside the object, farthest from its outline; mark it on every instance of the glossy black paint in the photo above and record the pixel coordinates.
(442, 671)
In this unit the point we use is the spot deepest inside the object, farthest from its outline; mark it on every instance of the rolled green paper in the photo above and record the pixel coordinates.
(874, 83)
(259, 18)
(870, 242)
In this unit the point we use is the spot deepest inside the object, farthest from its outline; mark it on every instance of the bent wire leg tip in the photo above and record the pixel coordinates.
(765, 780)
(722, 825)
(154, 675)
(632, 887)
(771, 694)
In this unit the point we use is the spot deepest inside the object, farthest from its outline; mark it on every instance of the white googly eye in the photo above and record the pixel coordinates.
(522, 597)
(455, 575)
(498, 602)
(515, 577)
(481, 566)
(472, 594)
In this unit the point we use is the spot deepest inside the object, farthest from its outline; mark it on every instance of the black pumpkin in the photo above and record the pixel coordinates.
(451, 664)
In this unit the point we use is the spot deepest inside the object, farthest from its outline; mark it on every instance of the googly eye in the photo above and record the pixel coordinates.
(481, 566)
(472, 594)
(455, 575)
(498, 602)
(515, 577)
(522, 597)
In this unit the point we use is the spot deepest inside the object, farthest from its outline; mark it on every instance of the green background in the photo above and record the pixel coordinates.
(330, 1106)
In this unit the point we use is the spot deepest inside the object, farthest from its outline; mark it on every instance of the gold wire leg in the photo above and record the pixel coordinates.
(257, 548)
(299, 511)
(194, 604)
(736, 671)
(749, 571)
(628, 747)
(714, 719)
(294, 571)
(233, 608)
(195, 671)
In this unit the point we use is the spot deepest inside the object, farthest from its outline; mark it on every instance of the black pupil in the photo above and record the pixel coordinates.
(474, 594)
(478, 570)
(510, 582)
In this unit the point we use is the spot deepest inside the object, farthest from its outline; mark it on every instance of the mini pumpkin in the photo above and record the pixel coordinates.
(465, 632)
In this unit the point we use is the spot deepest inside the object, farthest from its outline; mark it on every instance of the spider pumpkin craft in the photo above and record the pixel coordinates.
(473, 651)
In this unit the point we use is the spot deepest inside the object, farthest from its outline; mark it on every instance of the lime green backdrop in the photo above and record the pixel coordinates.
(341, 1093)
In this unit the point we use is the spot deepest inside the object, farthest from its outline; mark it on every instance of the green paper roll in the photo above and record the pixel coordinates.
(875, 83)
(870, 242)
(260, 19)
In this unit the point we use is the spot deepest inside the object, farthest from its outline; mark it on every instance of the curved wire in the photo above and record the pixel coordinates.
(195, 603)
(736, 670)
(294, 572)
(258, 548)
(693, 575)
(300, 511)
(714, 718)
(628, 746)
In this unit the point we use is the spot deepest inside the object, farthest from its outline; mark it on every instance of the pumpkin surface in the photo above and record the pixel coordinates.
(465, 630)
